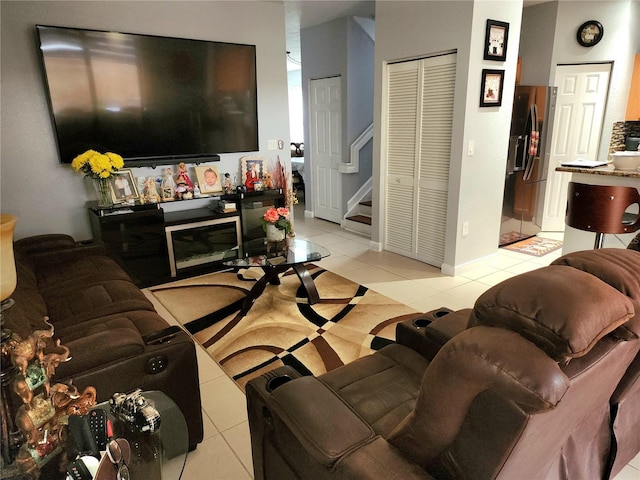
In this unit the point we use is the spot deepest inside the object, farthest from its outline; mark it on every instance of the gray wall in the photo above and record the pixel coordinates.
(342, 47)
(406, 30)
(49, 197)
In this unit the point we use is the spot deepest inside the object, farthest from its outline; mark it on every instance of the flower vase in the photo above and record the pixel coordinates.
(274, 234)
(102, 191)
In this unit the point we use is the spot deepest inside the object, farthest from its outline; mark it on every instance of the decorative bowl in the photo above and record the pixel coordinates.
(626, 160)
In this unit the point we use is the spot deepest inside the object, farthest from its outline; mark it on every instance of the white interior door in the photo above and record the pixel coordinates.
(419, 121)
(326, 153)
(582, 97)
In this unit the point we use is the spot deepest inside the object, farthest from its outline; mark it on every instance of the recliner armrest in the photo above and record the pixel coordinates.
(321, 421)
(428, 334)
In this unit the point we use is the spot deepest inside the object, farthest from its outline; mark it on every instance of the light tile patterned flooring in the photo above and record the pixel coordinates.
(225, 453)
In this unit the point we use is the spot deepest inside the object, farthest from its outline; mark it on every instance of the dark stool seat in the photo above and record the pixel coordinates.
(601, 209)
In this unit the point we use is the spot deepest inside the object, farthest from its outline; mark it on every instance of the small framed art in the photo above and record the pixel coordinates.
(495, 40)
(491, 90)
(209, 179)
(123, 187)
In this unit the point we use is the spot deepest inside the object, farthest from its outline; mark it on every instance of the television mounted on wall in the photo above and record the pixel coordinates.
(153, 100)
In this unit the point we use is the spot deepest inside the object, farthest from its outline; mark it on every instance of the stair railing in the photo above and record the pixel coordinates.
(353, 166)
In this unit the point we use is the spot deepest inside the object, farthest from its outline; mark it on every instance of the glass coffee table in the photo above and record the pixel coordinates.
(275, 258)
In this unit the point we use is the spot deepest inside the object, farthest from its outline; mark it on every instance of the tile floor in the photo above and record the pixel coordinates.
(225, 453)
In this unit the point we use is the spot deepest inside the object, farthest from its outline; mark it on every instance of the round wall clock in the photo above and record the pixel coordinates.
(590, 33)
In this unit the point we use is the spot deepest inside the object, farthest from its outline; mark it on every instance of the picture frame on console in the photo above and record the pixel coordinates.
(208, 179)
(252, 170)
(123, 187)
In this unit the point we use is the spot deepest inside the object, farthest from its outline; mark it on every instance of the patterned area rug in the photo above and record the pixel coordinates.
(281, 328)
(536, 246)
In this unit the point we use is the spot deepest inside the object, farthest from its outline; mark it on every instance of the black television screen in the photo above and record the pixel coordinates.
(150, 99)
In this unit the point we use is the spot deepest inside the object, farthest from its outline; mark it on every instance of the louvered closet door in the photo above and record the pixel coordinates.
(420, 118)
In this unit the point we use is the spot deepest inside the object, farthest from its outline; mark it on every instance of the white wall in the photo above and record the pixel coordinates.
(49, 197)
(618, 45)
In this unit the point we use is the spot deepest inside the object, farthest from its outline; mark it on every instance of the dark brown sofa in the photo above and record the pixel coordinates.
(539, 380)
(105, 321)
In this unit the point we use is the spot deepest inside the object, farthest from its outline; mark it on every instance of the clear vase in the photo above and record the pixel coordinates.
(102, 191)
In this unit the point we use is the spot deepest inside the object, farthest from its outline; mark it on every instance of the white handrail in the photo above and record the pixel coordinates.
(354, 161)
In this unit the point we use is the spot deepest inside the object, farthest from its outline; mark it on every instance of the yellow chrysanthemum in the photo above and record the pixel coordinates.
(116, 160)
(97, 165)
(82, 159)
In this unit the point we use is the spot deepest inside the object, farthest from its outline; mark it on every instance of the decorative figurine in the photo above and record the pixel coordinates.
(149, 192)
(228, 185)
(267, 180)
(183, 177)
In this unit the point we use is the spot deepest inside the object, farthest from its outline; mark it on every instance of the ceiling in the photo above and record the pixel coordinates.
(301, 14)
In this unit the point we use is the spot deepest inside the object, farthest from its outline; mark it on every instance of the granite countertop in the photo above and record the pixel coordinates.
(607, 170)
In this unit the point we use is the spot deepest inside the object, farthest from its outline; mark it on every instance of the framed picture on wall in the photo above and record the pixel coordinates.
(495, 40)
(209, 179)
(492, 86)
(123, 187)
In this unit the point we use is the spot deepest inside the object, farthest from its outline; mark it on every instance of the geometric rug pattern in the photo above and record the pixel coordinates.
(536, 246)
(281, 328)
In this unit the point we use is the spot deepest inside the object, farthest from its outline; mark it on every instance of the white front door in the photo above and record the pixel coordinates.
(325, 132)
(582, 96)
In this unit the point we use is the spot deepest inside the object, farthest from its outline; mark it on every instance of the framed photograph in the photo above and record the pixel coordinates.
(252, 170)
(495, 41)
(491, 91)
(123, 187)
(208, 179)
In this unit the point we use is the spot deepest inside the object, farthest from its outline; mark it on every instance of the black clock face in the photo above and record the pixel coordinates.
(590, 33)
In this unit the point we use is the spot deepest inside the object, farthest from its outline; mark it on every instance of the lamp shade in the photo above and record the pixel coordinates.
(7, 262)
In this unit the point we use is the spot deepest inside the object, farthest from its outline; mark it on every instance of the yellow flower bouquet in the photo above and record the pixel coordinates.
(97, 165)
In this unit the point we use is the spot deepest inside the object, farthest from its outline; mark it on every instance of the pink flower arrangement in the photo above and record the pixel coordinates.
(279, 217)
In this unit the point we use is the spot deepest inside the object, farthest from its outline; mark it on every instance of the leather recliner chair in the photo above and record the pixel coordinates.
(522, 386)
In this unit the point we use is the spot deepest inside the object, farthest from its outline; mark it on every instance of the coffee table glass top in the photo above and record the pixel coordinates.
(294, 251)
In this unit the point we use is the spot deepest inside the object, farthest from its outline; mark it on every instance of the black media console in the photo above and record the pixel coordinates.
(155, 246)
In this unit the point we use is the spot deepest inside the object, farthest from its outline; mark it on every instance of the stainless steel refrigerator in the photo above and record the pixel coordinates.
(527, 161)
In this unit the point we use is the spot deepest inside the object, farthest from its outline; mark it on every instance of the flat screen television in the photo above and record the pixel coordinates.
(153, 100)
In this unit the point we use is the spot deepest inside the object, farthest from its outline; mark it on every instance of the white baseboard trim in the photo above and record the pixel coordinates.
(308, 214)
(456, 270)
(375, 246)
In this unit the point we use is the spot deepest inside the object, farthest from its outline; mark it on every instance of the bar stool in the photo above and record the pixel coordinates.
(601, 209)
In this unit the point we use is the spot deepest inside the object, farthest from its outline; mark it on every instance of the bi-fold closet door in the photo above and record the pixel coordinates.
(419, 120)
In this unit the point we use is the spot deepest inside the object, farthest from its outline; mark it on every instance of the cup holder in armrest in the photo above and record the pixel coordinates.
(421, 322)
(276, 382)
(425, 320)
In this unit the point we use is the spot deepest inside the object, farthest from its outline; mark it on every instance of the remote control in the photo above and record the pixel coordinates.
(98, 426)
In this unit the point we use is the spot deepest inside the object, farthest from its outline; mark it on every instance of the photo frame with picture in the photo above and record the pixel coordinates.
(495, 40)
(208, 179)
(253, 169)
(123, 187)
(491, 89)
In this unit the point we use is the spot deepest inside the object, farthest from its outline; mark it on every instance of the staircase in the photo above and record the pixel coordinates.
(359, 220)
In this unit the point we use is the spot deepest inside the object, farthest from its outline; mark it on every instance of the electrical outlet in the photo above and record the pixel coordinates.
(465, 229)
(272, 144)
(471, 148)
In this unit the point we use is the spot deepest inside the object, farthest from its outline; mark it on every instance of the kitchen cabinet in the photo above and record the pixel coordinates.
(633, 103)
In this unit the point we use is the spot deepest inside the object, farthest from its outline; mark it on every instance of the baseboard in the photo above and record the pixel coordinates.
(308, 214)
